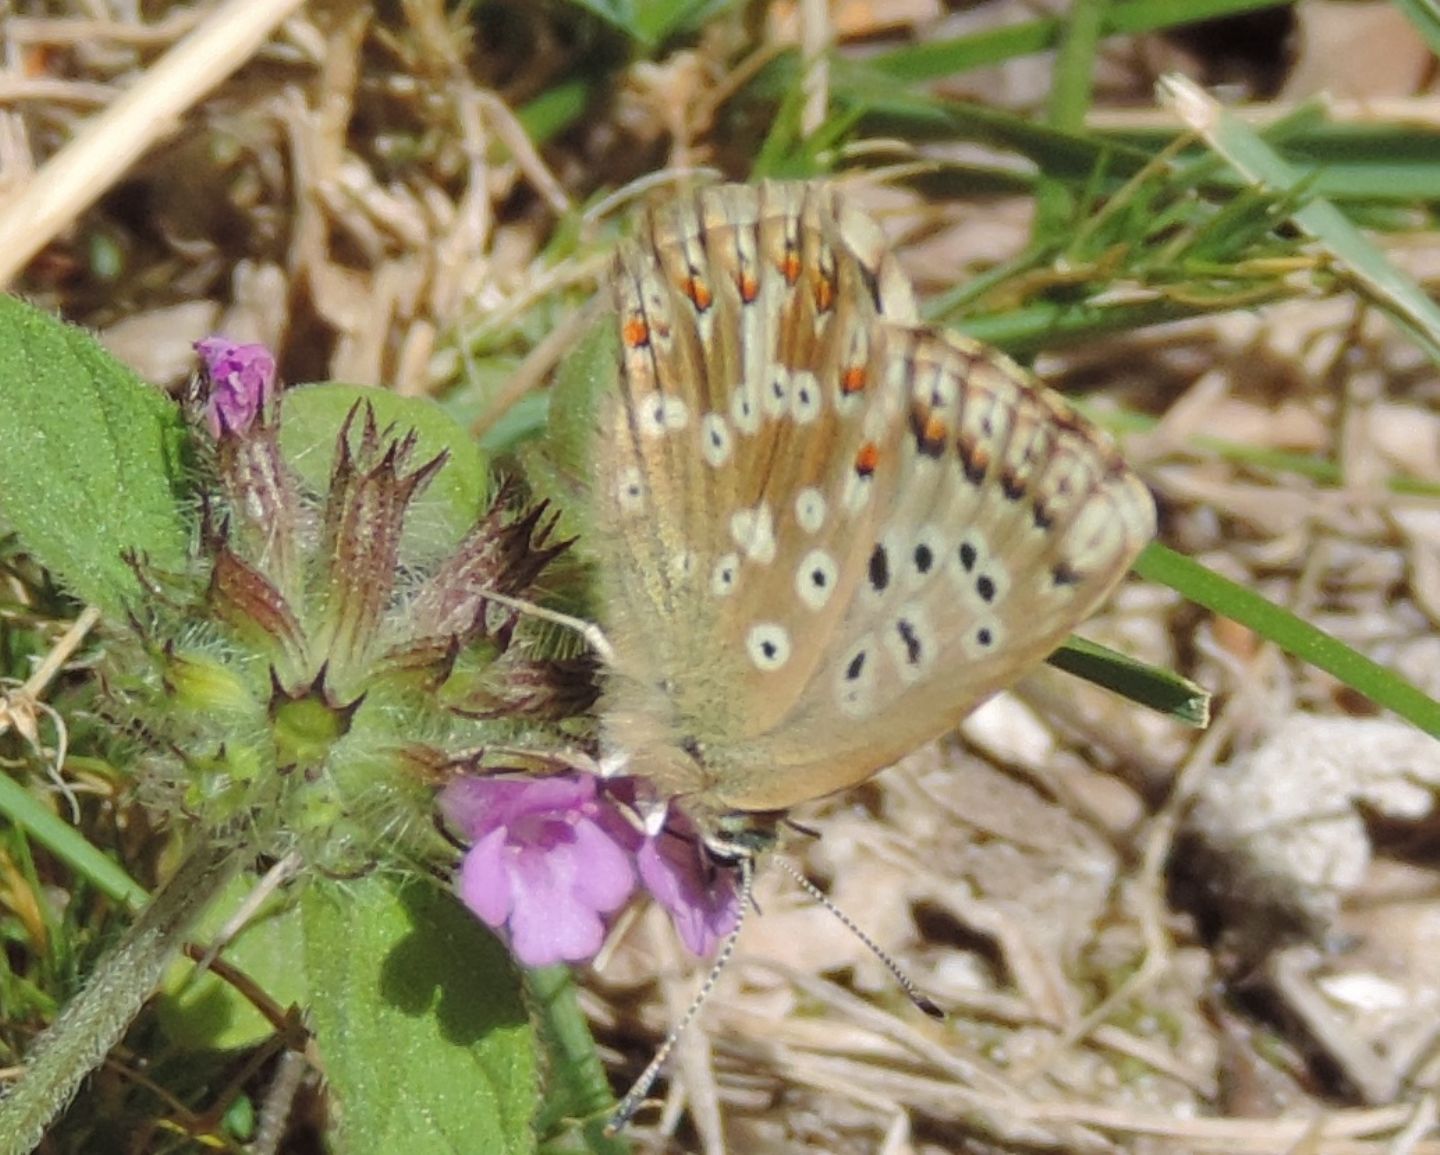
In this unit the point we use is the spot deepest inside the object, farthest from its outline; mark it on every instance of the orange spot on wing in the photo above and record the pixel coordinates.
(929, 429)
(867, 459)
(789, 266)
(698, 292)
(824, 294)
(749, 287)
(974, 459)
(853, 380)
(635, 332)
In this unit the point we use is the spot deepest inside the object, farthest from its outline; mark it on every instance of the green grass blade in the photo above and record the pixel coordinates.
(1394, 292)
(1425, 15)
(22, 808)
(1161, 690)
(1206, 588)
(937, 58)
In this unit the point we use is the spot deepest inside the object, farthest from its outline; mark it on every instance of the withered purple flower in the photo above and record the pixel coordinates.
(241, 381)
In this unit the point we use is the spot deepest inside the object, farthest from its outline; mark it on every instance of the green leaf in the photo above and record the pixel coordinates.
(931, 58)
(205, 1011)
(440, 517)
(418, 1015)
(89, 458)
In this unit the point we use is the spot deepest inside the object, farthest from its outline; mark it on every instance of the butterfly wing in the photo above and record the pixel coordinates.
(1003, 520)
(746, 318)
(827, 534)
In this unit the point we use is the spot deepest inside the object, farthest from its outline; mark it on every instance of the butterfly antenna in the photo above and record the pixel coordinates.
(594, 636)
(641, 1087)
(913, 992)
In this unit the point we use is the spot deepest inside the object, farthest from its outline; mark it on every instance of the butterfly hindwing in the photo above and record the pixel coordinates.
(1007, 520)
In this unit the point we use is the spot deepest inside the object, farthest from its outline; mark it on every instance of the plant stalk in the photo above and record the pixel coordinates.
(95, 1019)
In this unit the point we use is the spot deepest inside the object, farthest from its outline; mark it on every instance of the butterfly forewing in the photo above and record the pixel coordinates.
(827, 533)
(746, 318)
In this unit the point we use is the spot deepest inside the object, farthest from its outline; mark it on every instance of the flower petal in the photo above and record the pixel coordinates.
(485, 883)
(548, 923)
(702, 899)
(605, 878)
(476, 805)
(242, 381)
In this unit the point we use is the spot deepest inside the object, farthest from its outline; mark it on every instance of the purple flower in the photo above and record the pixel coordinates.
(701, 897)
(242, 380)
(548, 861)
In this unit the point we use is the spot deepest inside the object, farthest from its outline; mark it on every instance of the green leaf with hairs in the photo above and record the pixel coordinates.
(427, 1045)
(89, 459)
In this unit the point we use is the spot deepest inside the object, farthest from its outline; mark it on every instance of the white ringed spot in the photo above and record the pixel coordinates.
(726, 575)
(925, 557)
(910, 643)
(968, 557)
(810, 509)
(630, 491)
(769, 646)
(983, 637)
(744, 410)
(855, 679)
(716, 442)
(658, 414)
(775, 397)
(816, 578)
(682, 564)
(880, 570)
(805, 399)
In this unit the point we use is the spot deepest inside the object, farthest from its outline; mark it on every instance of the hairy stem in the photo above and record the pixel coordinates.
(97, 1017)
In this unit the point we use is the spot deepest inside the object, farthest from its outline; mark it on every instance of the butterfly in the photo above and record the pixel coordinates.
(825, 531)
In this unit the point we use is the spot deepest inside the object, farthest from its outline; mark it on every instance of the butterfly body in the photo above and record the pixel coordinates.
(826, 532)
